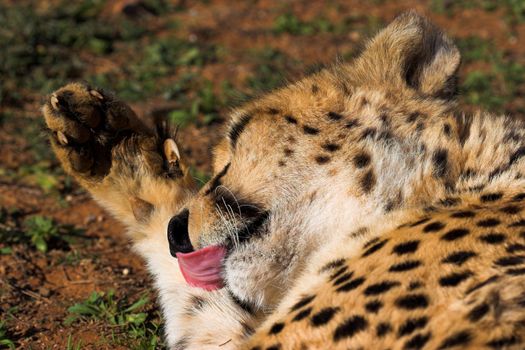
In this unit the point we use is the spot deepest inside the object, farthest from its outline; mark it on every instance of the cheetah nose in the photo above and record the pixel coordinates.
(178, 235)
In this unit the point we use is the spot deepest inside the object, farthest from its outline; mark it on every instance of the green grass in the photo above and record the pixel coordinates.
(39, 232)
(291, 24)
(497, 85)
(474, 48)
(41, 49)
(5, 341)
(514, 9)
(132, 323)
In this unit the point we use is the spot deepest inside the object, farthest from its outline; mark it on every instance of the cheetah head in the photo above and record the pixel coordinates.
(299, 166)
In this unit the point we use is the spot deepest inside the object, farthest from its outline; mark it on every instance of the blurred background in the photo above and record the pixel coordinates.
(68, 279)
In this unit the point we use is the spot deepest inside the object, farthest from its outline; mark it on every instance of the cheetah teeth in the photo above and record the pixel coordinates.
(62, 139)
(54, 102)
(171, 151)
(96, 94)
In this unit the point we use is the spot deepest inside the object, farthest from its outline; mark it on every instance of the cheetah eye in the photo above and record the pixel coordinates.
(228, 201)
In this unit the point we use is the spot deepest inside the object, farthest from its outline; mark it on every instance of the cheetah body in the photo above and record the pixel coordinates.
(359, 208)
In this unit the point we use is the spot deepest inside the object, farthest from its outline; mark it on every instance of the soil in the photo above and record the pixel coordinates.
(37, 288)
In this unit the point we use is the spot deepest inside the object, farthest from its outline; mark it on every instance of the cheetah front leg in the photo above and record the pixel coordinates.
(138, 175)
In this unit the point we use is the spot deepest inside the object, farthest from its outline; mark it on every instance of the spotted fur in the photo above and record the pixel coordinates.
(360, 208)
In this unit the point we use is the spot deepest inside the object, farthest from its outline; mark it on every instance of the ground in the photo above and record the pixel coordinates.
(61, 256)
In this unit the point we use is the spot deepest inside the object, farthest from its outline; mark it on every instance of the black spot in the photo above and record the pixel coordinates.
(350, 327)
(419, 222)
(417, 342)
(491, 197)
(361, 160)
(374, 248)
(290, 119)
(459, 258)
(254, 348)
(368, 132)
(353, 284)
(338, 273)
(446, 129)
(520, 223)
(370, 242)
(373, 306)
(352, 124)
(415, 285)
(196, 303)
(433, 227)
(331, 147)
(274, 347)
(449, 202)
(302, 315)
(478, 312)
(383, 328)
(334, 116)
(288, 152)
(343, 279)
(322, 159)
(500, 343)
(276, 328)
(510, 260)
(454, 278)
(381, 287)
(412, 301)
(303, 302)
(511, 209)
(455, 234)
(368, 181)
(440, 161)
(515, 272)
(488, 222)
(237, 129)
(281, 163)
(385, 135)
(315, 89)
(333, 265)
(406, 247)
(459, 338)
(517, 247)
(412, 117)
(411, 325)
(482, 284)
(520, 153)
(493, 238)
(405, 266)
(463, 214)
(324, 316)
(518, 197)
(310, 130)
(273, 111)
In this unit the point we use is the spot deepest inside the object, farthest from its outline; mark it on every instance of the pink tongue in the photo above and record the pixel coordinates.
(202, 268)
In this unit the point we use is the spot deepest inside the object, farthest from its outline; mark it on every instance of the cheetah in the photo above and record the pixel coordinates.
(357, 208)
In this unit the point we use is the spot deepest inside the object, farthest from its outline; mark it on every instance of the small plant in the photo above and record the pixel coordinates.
(43, 232)
(203, 107)
(40, 231)
(270, 68)
(5, 342)
(131, 319)
(71, 345)
(474, 48)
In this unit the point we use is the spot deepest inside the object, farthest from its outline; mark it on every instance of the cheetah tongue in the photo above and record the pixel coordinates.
(202, 268)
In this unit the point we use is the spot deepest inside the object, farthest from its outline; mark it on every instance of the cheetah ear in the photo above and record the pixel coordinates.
(415, 51)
